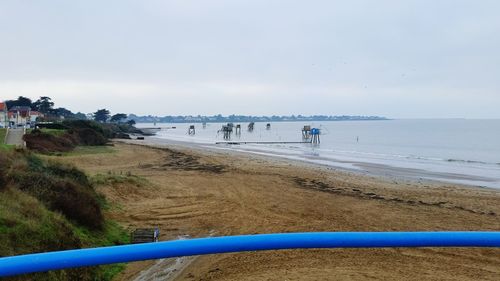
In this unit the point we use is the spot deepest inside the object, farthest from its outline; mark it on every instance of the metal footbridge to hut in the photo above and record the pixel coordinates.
(16, 265)
(260, 142)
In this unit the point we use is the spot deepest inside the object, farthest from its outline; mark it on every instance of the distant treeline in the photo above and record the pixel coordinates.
(45, 105)
(244, 118)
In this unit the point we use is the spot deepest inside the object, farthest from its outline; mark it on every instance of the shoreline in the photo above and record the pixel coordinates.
(398, 149)
(381, 171)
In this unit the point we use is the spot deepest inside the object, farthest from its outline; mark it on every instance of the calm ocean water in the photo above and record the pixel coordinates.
(456, 150)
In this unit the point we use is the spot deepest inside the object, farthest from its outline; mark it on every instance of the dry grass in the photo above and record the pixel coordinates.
(112, 179)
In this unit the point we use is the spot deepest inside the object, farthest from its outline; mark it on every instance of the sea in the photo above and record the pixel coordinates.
(463, 151)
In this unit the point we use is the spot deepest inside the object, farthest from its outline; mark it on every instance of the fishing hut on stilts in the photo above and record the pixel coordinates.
(315, 132)
(191, 130)
(227, 130)
(238, 130)
(251, 126)
(306, 132)
(268, 126)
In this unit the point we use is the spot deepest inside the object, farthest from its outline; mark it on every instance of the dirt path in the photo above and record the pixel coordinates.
(194, 194)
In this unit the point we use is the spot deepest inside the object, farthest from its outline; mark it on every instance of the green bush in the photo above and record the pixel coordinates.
(61, 188)
(88, 136)
(61, 193)
(88, 124)
(65, 136)
(79, 132)
(47, 143)
(68, 172)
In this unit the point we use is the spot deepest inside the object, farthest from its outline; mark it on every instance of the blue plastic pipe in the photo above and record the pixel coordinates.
(16, 265)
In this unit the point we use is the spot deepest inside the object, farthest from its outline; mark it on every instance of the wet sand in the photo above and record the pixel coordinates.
(359, 167)
(201, 193)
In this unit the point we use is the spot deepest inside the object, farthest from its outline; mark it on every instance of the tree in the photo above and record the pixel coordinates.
(43, 105)
(118, 117)
(62, 112)
(131, 122)
(80, 116)
(101, 115)
(21, 101)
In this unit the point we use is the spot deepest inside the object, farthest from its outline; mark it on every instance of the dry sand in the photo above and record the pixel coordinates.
(195, 193)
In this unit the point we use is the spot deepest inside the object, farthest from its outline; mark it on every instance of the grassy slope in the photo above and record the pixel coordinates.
(54, 132)
(25, 218)
(27, 225)
(3, 146)
(30, 220)
(3, 131)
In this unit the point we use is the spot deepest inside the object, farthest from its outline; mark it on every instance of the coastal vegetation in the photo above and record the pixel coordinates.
(59, 130)
(69, 135)
(48, 206)
(65, 136)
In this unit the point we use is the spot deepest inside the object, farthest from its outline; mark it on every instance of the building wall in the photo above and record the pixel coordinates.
(4, 121)
(18, 120)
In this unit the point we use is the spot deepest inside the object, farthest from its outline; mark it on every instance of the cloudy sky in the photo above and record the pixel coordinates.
(400, 59)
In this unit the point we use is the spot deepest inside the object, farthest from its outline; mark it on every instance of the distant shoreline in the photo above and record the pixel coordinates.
(246, 119)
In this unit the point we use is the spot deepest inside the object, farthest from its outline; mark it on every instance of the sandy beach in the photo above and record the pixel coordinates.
(189, 192)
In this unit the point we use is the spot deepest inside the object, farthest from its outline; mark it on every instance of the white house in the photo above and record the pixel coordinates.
(20, 116)
(34, 115)
(4, 121)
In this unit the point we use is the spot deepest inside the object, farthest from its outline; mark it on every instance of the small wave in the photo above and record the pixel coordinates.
(424, 158)
(414, 157)
(470, 161)
(382, 155)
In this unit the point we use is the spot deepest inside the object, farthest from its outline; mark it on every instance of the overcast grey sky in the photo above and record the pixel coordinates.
(400, 59)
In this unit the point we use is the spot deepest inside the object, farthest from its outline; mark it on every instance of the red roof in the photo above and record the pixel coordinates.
(2, 106)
